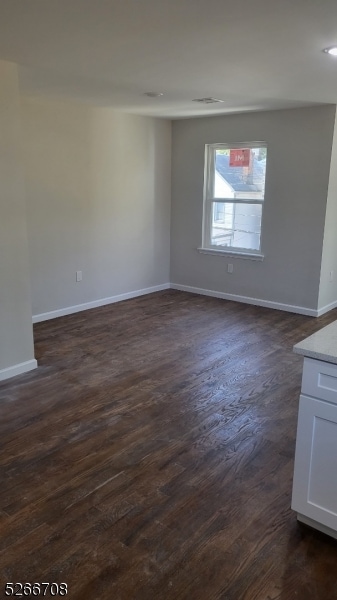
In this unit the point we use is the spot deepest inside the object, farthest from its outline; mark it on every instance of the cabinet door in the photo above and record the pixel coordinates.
(315, 474)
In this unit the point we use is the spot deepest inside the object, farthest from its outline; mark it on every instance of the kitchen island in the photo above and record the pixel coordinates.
(315, 474)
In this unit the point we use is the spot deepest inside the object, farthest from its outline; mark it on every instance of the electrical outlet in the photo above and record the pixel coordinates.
(331, 276)
(230, 268)
(78, 275)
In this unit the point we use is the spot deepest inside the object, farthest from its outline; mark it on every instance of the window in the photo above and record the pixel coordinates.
(233, 197)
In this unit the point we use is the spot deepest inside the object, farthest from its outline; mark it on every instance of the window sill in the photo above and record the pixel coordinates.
(232, 253)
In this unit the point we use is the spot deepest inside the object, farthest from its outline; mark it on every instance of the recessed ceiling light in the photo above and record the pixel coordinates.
(153, 94)
(332, 51)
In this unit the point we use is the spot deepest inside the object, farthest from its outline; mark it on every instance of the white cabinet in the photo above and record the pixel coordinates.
(315, 475)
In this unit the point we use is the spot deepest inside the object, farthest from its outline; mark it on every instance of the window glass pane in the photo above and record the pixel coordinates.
(240, 173)
(236, 225)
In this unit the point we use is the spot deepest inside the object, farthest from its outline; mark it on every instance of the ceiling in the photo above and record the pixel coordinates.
(253, 54)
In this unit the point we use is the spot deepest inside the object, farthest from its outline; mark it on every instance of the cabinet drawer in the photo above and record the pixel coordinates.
(320, 380)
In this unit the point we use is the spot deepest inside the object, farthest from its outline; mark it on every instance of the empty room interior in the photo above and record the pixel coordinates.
(168, 299)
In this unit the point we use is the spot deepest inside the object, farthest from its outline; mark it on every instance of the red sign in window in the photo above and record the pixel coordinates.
(239, 157)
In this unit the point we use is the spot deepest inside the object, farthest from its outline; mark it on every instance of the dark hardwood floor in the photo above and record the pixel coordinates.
(150, 456)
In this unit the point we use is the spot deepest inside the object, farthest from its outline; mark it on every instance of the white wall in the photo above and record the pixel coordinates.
(98, 196)
(299, 149)
(16, 335)
(328, 288)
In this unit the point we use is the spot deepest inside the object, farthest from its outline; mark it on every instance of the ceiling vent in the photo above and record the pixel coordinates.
(153, 94)
(207, 100)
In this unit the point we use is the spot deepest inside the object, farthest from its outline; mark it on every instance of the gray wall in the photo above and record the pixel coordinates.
(299, 149)
(16, 335)
(328, 288)
(98, 196)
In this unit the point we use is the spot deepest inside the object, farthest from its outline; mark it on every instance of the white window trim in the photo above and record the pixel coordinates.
(253, 255)
(207, 248)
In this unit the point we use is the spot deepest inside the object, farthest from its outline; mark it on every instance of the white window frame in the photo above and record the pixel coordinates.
(209, 199)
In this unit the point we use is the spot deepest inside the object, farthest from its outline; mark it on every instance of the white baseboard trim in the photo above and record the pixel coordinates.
(69, 310)
(19, 369)
(301, 310)
(327, 308)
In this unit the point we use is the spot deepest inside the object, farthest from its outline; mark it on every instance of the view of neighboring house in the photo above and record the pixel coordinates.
(236, 223)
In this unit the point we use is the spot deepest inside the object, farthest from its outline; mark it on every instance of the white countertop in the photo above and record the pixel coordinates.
(321, 345)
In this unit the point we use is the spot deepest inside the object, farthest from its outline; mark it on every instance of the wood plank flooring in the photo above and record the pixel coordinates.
(150, 456)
